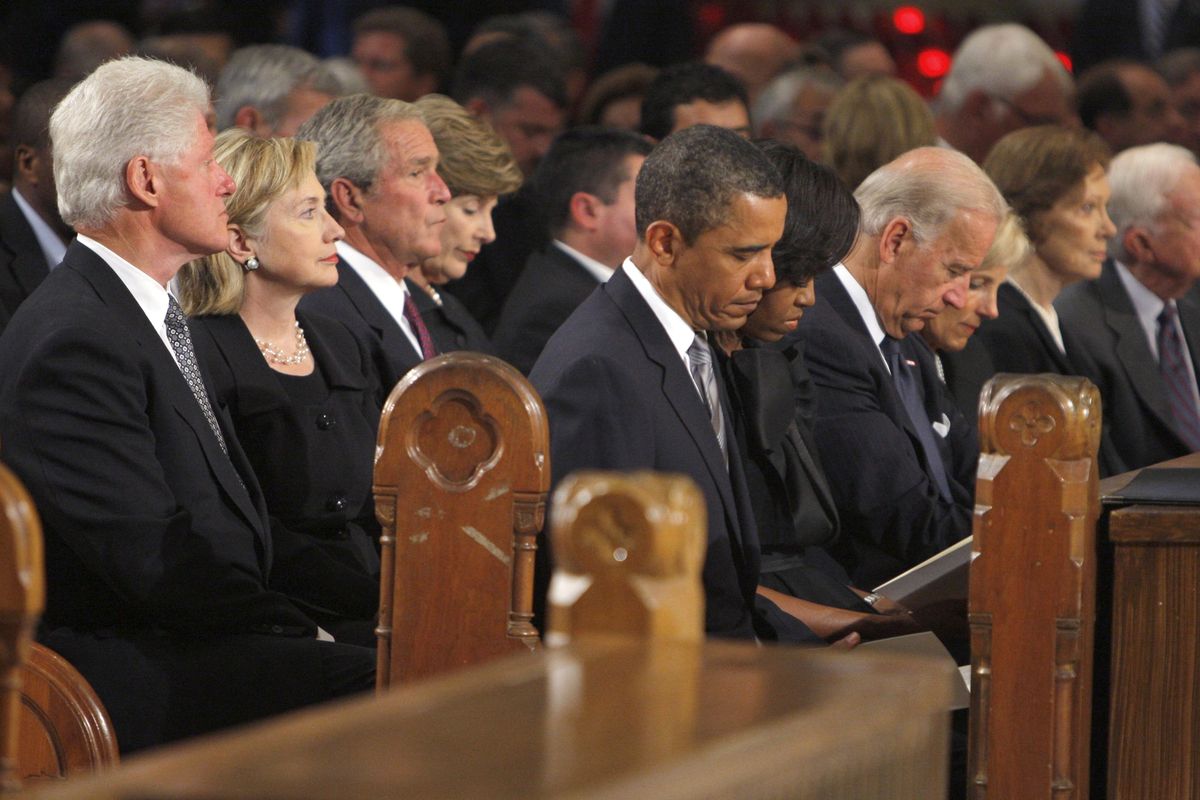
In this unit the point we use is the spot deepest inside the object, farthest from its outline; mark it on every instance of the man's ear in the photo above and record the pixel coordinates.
(664, 241)
(978, 106)
(479, 107)
(346, 200)
(143, 179)
(25, 160)
(239, 244)
(1136, 242)
(892, 237)
(583, 210)
(249, 118)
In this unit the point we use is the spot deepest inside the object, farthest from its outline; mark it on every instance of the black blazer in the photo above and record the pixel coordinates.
(1138, 419)
(550, 288)
(352, 303)
(314, 462)
(22, 265)
(158, 550)
(892, 514)
(450, 325)
(619, 397)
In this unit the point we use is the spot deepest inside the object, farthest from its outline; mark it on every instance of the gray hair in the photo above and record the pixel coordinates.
(693, 176)
(264, 76)
(126, 108)
(1140, 179)
(775, 101)
(928, 186)
(1002, 61)
(348, 133)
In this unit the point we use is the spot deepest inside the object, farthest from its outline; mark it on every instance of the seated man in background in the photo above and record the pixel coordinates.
(693, 94)
(271, 90)
(928, 219)
(158, 550)
(629, 380)
(584, 188)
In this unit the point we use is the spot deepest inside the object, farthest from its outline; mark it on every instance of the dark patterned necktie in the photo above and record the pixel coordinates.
(181, 342)
(700, 363)
(418, 325)
(1174, 370)
(908, 386)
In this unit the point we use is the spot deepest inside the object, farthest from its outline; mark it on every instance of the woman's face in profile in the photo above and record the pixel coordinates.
(780, 310)
(468, 228)
(297, 245)
(950, 329)
(1073, 234)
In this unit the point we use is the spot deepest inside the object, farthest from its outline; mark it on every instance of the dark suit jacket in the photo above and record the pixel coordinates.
(352, 303)
(450, 325)
(619, 398)
(550, 288)
(1113, 29)
(1139, 423)
(22, 265)
(313, 461)
(893, 516)
(966, 372)
(158, 552)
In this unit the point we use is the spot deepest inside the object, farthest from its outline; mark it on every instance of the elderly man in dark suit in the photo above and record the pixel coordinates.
(378, 164)
(158, 551)
(629, 380)
(584, 188)
(33, 236)
(899, 456)
(1136, 324)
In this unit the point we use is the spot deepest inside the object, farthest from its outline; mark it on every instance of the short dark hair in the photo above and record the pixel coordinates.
(1101, 91)
(681, 84)
(822, 215)
(426, 45)
(539, 27)
(497, 69)
(692, 178)
(589, 159)
(31, 117)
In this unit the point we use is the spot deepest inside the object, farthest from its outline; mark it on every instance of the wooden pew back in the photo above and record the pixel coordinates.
(1032, 588)
(461, 474)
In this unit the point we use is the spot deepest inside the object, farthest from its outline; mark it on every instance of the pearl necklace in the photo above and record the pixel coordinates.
(433, 293)
(276, 356)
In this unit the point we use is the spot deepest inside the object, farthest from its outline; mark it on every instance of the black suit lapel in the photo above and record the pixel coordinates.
(401, 354)
(28, 266)
(237, 486)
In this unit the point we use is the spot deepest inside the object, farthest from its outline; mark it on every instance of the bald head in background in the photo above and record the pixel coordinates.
(753, 52)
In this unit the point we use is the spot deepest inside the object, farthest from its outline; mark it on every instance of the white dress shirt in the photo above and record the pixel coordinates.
(1147, 305)
(866, 309)
(53, 248)
(391, 292)
(679, 330)
(600, 272)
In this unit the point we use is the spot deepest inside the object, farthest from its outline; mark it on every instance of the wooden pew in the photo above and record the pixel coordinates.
(461, 474)
(604, 715)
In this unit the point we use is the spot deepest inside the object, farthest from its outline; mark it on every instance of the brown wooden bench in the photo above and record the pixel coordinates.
(461, 475)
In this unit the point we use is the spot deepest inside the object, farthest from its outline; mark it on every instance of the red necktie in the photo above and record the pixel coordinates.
(418, 325)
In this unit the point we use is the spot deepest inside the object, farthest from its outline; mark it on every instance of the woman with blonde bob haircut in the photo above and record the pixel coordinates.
(871, 122)
(477, 167)
(296, 385)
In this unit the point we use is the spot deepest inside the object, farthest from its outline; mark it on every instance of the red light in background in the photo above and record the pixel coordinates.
(711, 16)
(933, 63)
(1066, 60)
(909, 19)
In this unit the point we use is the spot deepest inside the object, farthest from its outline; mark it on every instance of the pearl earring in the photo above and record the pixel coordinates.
(251, 264)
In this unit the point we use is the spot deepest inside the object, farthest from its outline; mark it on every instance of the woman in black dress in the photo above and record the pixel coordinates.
(477, 167)
(294, 383)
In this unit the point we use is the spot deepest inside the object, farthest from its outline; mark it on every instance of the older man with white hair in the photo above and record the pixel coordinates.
(1002, 77)
(158, 546)
(899, 456)
(1136, 321)
(272, 89)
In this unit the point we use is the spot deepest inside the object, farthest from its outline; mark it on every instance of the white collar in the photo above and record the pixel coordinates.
(1049, 316)
(390, 292)
(601, 272)
(53, 248)
(150, 295)
(1146, 304)
(866, 310)
(678, 330)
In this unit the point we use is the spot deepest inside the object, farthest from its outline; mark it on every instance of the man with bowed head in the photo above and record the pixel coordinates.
(899, 456)
(629, 379)
(158, 550)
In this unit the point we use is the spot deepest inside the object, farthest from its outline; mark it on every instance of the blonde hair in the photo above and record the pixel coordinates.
(1011, 247)
(871, 122)
(263, 169)
(472, 158)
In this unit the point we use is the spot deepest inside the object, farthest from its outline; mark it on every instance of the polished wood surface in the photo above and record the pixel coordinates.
(22, 598)
(1115, 483)
(461, 475)
(1032, 588)
(601, 718)
(64, 730)
(628, 552)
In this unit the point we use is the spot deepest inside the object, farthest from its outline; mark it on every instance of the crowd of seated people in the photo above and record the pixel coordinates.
(208, 291)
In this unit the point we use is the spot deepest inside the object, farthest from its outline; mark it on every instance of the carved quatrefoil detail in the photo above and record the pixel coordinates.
(455, 442)
(1031, 423)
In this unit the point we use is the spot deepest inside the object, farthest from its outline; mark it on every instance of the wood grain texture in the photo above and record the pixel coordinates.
(461, 475)
(1032, 588)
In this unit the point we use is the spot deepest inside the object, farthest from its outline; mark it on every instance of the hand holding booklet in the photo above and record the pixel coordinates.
(939, 579)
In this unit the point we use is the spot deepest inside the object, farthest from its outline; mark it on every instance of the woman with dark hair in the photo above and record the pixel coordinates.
(771, 396)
